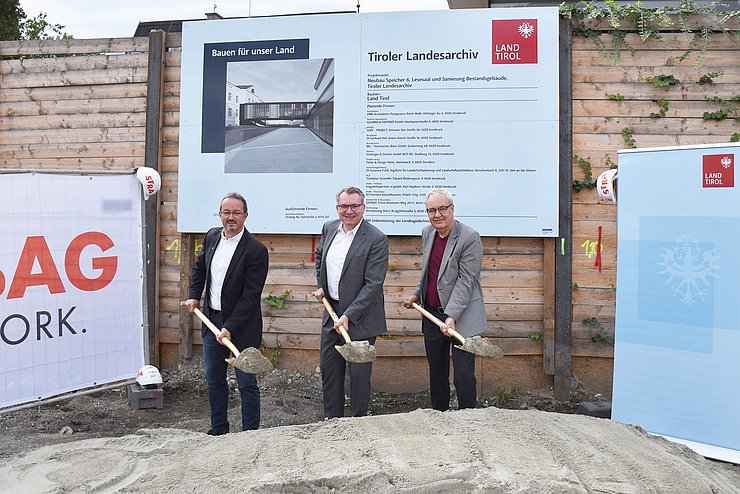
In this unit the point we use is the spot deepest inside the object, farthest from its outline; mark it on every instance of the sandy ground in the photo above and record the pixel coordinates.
(482, 450)
(110, 448)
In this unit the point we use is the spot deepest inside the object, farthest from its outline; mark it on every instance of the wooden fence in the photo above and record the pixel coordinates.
(82, 105)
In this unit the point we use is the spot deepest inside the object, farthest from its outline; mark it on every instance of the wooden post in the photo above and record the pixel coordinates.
(564, 249)
(548, 309)
(187, 253)
(152, 158)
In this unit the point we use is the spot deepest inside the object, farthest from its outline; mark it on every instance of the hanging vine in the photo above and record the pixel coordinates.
(648, 23)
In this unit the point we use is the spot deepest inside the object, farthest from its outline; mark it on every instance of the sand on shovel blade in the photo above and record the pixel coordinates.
(357, 351)
(251, 361)
(481, 346)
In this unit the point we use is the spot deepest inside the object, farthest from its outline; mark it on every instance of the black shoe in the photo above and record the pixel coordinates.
(211, 432)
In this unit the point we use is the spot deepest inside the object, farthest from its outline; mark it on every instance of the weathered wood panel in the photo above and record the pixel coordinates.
(68, 47)
(49, 95)
(82, 106)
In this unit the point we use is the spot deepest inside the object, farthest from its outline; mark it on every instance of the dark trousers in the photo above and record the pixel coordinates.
(437, 347)
(333, 369)
(214, 355)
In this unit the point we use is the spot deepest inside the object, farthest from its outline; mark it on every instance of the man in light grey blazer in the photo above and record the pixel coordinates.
(351, 264)
(450, 289)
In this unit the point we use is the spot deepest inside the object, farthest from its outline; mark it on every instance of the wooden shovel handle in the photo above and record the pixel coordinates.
(334, 317)
(216, 331)
(436, 321)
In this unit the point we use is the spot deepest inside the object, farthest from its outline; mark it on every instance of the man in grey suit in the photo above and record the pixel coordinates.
(450, 289)
(351, 264)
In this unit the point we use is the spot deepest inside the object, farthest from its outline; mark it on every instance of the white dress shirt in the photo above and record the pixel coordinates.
(335, 257)
(219, 265)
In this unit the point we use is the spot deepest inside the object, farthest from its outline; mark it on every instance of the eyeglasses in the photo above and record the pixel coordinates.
(353, 207)
(442, 210)
(226, 214)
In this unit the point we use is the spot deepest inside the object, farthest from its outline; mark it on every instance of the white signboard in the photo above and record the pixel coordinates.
(676, 365)
(70, 283)
(289, 110)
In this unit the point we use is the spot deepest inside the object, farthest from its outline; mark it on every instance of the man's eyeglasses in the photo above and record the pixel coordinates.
(226, 214)
(442, 210)
(353, 207)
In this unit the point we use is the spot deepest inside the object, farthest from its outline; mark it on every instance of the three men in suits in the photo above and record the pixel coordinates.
(450, 289)
(351, 264)
(232, 268)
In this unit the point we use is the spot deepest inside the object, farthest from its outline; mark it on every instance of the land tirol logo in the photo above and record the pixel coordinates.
(514, 41)
(718, 170)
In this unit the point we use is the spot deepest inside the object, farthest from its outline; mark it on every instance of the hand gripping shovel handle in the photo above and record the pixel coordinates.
(216, 331)
(436, 321)
(334, 317)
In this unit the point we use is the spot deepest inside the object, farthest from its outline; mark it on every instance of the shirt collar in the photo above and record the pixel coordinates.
(236, 238)
(353, 231)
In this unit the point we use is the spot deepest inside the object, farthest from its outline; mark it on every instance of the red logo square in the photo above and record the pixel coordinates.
(514, 41)
(719, 170)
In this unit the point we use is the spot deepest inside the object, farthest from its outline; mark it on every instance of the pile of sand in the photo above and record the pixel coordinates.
(481, 450)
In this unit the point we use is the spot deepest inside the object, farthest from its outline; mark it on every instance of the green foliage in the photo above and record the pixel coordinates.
(275, 353)
(647, 21)
(39, 28)
(11, 15)
(662, 80)
(536, 335)
(663, 104)
(602, 337)
(615, 97)
(391, 267)
(503, 395)
(593, 322)
(576, 287)
(16, 25)
(735, 137)
(709, 77)
(599, 334)
(628, 139)
(589, 182)
(727, 108)
(278, 301)
(701, 37)
(274, 356)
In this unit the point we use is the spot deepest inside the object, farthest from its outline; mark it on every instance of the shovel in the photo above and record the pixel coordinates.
(475, 344)
(250, 360)
(352, 351)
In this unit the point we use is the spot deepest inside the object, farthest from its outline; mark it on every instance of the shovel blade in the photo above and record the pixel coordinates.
(251, 361)
(481, 346)
(357, 351)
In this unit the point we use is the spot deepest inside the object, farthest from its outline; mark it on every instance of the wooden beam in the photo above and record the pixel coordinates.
(153, 154)
(548, 319)
(187, 252)
(564, 256)
(67, 47)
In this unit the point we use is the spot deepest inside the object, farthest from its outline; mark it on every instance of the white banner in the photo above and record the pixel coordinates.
(676, 365)
(288, 110)
(70, 282)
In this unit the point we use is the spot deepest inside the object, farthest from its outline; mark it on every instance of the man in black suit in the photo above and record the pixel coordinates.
(351, 264)
(232, 267)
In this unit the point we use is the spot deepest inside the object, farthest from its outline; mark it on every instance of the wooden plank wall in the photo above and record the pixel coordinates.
(84, 108)
(598, 123)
